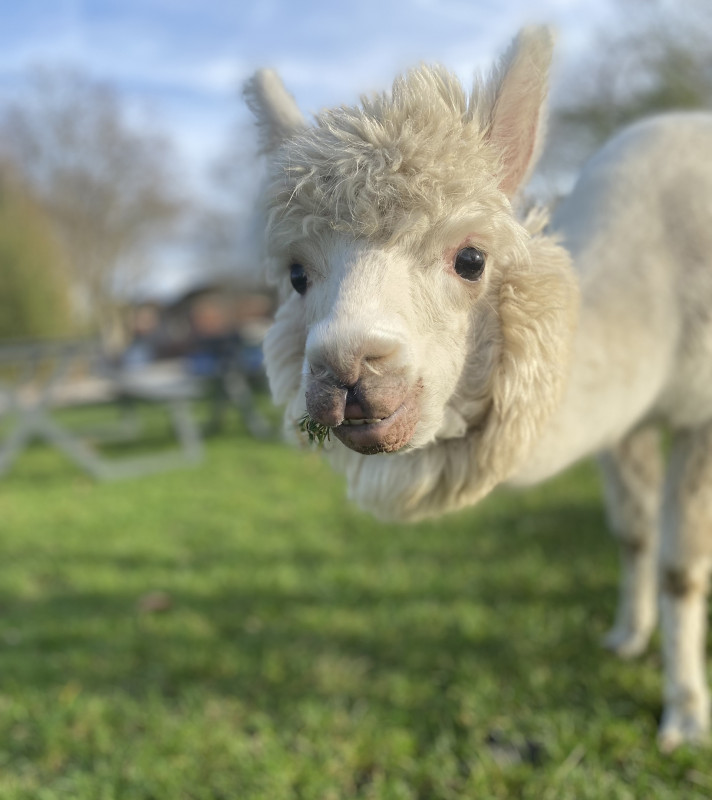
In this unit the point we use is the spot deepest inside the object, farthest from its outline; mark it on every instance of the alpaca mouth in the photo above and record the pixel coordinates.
(369, 435)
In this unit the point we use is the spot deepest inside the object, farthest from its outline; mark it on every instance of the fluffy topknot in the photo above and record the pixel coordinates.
(398, 163)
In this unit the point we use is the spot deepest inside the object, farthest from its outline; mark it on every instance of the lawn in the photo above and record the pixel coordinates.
(238, 630)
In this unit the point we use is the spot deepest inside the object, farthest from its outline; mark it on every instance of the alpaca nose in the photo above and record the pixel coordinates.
(353, 375)
(345, 356)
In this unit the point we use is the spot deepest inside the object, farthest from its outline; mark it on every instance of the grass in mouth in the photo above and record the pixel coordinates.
(315, 430)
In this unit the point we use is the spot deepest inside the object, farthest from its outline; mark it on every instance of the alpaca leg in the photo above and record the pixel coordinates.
(632, 477)
(685, 559)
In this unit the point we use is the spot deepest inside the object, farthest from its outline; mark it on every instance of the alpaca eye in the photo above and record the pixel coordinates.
(470, 263)
(298, 277)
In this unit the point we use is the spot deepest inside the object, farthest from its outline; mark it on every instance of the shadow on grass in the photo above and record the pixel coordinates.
(424, 634)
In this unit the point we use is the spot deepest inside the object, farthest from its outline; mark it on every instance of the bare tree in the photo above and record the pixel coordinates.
(106, 184)
(229, 227)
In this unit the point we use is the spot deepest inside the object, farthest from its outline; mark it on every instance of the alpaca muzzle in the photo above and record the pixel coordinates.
(372, 416)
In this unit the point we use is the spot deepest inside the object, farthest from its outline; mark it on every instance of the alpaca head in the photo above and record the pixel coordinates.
(391, 237)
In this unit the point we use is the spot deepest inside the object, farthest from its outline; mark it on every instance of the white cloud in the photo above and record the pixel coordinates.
(185, 59)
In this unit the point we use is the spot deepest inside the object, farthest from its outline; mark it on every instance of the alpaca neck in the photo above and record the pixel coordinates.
(620, 356)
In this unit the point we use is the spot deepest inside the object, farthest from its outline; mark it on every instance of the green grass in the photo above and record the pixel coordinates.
(301, 650)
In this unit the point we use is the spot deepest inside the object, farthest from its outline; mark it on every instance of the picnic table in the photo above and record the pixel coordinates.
(37, 379)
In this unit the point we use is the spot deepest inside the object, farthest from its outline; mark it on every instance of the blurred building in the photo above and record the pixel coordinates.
(210, 311)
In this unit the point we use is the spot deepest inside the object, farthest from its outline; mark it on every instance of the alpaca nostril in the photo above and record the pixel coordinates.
(345, 354)
(375, 365)
(380, 353)
(380, 346)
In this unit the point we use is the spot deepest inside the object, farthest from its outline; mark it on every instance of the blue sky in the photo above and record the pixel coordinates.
(184, 60)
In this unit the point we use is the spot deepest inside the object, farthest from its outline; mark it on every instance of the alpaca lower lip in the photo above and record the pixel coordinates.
(370, 436)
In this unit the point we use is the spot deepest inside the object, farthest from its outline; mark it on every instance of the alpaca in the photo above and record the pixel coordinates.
(450, 346)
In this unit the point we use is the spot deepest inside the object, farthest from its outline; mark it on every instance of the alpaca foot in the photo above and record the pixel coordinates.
(626, 642)
(686, 720)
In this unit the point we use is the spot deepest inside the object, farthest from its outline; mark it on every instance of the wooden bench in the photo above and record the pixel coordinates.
(39, 378)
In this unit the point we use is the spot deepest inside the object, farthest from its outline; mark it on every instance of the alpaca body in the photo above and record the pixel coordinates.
(642, 349)
(451, 347)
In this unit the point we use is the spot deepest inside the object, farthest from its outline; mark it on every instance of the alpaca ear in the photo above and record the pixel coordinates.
(517, 118)
(277, 113)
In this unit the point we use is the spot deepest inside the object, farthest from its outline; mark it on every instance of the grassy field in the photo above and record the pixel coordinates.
(237, 630)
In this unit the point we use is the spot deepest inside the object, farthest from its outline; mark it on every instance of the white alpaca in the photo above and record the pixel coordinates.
(421, 320)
